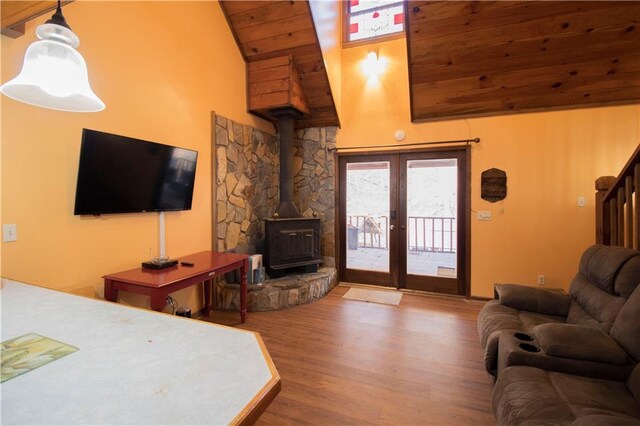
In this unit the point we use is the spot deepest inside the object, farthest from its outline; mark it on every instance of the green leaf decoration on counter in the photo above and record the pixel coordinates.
(28, 352)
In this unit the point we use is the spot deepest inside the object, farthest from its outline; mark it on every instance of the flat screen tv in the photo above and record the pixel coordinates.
(118, 174)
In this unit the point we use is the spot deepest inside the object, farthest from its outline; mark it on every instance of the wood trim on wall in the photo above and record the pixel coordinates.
(214, 186)
(467, 281)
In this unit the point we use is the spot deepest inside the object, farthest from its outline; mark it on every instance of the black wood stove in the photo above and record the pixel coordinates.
(291, 241)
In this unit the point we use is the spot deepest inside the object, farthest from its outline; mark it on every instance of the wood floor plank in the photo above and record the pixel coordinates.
(351, 362)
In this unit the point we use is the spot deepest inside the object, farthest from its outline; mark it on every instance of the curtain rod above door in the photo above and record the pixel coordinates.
(465, 141)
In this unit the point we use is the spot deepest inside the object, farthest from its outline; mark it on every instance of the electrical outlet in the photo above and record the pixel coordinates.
(9, 233)
(541, 280)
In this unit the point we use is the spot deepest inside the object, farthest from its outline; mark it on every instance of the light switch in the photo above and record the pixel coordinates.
(484, 215)
(9, 233)
(582, 202)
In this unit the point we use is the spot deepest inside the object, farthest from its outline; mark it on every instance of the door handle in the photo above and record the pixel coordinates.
(403, 227)
(392, 227)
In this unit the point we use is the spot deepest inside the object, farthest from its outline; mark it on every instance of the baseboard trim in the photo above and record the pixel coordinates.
(481, 298)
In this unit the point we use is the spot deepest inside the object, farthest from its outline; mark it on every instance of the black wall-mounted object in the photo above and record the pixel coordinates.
(119, 174)
(493, 185)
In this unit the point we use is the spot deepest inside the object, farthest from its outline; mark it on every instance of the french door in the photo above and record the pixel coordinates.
(404, 219)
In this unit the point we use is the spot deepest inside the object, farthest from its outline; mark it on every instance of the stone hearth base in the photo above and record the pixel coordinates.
(279, 293)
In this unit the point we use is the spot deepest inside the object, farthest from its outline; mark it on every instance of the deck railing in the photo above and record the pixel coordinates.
(432, 234)
(618, 206)
(424, 234)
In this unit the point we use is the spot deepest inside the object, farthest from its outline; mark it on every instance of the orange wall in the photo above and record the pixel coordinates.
(161, 68)
(550, 159)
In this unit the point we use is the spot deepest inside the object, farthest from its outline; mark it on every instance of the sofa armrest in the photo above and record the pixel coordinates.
(533, 299)
(579, 342)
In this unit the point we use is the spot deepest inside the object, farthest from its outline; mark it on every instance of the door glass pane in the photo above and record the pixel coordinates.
(432, 206)
(368, 216)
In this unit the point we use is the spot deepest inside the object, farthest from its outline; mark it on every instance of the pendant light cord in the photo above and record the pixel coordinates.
(58, 17)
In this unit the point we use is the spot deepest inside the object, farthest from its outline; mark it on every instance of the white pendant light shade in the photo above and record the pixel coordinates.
(54, 75)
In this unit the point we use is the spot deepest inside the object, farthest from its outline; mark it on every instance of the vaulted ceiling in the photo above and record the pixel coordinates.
(466, 58)
(475, 58)
(276, 29)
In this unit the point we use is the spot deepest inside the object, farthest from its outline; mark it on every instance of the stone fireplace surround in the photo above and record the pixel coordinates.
(246, 189)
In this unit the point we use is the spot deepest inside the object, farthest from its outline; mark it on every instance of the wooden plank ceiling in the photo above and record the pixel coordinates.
(16, 13)
(269, 29)
(477, 58)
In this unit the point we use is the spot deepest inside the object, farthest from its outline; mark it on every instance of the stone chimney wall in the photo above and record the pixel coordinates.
(314, 191)
(247, 164)
(246, 184)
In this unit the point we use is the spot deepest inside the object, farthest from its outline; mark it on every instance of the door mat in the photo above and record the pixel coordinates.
(375, 296)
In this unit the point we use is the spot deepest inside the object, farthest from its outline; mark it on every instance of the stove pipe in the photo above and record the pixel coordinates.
(286, 207)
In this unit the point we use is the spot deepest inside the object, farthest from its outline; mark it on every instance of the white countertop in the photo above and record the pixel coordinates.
(133, 366)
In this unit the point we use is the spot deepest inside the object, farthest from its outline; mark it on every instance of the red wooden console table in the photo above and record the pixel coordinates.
(158, 284)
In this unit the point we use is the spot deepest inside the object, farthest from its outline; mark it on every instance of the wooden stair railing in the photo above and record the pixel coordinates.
(618, 206)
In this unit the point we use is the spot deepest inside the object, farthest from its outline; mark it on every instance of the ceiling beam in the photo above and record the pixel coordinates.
(16, 13)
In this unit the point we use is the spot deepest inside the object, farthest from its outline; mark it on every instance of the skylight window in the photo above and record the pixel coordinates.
(368, 19)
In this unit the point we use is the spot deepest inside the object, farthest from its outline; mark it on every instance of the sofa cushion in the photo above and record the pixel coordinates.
(533, 299)
(626, 328)
(531, 396)
(530, 320)
(606, 420)
(525, 396)
(592, 306)
(494, 317)
(579, 342)
(586, 396)
(627, 279)
(598, 290)
(599, 264)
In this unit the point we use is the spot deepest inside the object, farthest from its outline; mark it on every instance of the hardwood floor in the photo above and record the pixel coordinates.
(350, 362)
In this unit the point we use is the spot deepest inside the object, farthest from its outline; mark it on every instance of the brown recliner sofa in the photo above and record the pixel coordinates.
(581, 333)
(526, 396)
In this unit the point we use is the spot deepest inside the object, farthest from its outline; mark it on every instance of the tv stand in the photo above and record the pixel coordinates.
(207, 265)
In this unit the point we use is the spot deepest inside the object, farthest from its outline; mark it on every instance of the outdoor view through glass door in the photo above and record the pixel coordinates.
(368, 216)
(432, 209)
(403, 220)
